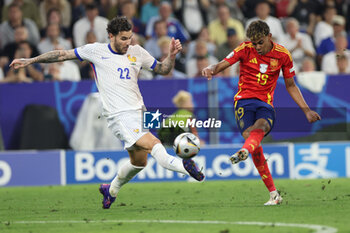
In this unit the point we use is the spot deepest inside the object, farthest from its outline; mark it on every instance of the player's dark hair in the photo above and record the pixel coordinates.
(257, 29)
(118, 24)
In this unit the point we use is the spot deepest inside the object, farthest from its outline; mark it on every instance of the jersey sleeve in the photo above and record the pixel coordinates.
(85, 52)
(236, 54)
(147, 60)
(288, 67)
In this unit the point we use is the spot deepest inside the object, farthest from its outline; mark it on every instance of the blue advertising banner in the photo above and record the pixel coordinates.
(96, 167)
(30, 168)
(321, 160)
(298, 161)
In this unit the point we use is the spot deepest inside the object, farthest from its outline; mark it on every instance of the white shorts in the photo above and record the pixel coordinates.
(127, 126)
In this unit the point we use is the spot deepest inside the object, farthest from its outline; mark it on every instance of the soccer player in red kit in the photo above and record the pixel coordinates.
(260, 63)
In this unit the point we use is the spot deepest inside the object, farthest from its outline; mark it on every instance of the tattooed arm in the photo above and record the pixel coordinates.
(167, 64)
(49, 57)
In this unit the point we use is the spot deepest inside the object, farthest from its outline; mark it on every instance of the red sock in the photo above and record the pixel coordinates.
(254, 139)
(261, 164)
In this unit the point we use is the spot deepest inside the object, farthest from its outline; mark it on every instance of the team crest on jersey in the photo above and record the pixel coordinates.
(273, 64)
(230, 55)
(263, 68)
(132, 59)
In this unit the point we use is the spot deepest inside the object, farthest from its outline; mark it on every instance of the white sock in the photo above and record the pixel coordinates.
(273, 193)
(125, 174)
(167, 161)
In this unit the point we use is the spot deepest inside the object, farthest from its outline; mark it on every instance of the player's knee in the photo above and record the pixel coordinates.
(140, 162)
(245, 134)
(154, 142)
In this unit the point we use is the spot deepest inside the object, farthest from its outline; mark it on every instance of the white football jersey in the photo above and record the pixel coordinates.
(116, 75)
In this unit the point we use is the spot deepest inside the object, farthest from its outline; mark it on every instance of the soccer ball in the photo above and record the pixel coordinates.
(186, 145)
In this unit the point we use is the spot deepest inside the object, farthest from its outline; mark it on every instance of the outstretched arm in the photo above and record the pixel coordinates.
(298, 98)
(49, 57)
(165, 66)
(211, 70)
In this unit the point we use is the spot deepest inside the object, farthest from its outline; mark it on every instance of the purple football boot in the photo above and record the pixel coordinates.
(192, 169)
(107, 198)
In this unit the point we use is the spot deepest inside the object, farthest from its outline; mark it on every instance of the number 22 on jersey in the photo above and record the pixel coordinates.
(124, 73)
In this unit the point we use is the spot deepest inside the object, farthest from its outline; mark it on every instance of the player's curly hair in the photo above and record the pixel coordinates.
(257, 30)
(118, 24)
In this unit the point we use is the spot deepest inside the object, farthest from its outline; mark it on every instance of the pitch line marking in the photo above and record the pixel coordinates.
(316, 228)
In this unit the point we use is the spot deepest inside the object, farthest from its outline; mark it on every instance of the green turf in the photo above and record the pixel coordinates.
(321, 202)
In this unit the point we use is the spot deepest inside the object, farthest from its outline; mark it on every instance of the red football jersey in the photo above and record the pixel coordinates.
(259, 73)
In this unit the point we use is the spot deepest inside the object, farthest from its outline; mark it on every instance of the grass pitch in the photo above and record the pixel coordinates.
(212, 206)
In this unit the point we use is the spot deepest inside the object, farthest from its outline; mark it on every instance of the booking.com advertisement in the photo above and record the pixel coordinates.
(295, 161)
(87, 167)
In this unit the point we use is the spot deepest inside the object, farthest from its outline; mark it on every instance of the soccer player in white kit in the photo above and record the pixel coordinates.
(116, 66)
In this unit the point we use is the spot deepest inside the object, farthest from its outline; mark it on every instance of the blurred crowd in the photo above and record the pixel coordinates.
(314, 31)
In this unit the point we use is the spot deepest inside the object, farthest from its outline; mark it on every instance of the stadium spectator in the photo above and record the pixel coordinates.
(309, 78)
(203, 35)
(53, 40)
(79, 9)
(175, 28)
(225, 49)
(54, 16)
(184, 110)
(201, 52)
(128, 9)
(163, 44)
(26, 74)
(248, 7)
(64, 8)
(21, 34)
(137, 39)
(324, 28)
(90, 37)
(86, 71)
(254, 113)
(308, 65)
(149, 10)
(15, 19)
(298, 43)
(201, 63)
(92, 21)
(151, 45)
(327, 45)
(235, 10)
(192, 14)
(306, 12)
(343, 64)
(218, 27)
(329, 61)
(62, 71)
(281, 7)
(263, 10)
(28, 8)
(109, 8)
